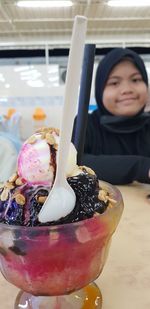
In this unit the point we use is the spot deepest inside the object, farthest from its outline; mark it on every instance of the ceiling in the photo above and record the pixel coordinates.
(107, 27)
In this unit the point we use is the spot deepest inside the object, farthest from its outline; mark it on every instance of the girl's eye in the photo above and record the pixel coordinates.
(113, 83)
(138, 79)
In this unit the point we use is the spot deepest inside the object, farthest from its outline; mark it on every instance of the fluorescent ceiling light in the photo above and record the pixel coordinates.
(3, 99)
(35, 83)
(128, 3)
(44, 3)
(23, 68)
(7, 86)
(2, 79)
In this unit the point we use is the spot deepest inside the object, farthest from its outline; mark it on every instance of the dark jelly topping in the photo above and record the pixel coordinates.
(24, 203)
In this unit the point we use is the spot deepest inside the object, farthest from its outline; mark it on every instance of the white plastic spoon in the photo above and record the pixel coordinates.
(61, 200)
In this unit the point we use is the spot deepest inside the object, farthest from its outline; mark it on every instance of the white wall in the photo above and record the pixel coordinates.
(27, 87)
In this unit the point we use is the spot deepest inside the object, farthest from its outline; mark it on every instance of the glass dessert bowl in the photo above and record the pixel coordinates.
(48, 261)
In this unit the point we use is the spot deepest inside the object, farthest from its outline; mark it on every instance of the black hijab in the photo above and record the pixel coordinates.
(119, 124)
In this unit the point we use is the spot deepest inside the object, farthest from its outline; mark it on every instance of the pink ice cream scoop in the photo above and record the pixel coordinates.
(34, 162)
(38, 158)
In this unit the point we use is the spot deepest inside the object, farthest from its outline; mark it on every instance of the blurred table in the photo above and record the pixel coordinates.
(125, 280)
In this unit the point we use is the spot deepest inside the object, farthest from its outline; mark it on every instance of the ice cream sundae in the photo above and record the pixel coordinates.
(58, 257)
(23, 195)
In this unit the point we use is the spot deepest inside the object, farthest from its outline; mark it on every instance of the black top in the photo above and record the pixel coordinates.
(118, 158)
(117, 147)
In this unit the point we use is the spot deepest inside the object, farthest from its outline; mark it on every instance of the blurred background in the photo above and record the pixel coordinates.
(34, 46)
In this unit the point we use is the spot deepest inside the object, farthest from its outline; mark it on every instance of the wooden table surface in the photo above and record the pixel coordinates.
(125, 280)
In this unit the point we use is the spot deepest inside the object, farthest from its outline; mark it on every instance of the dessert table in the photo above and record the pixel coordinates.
(125, 280)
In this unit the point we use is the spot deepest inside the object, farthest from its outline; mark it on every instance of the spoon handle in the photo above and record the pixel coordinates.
(71, 94)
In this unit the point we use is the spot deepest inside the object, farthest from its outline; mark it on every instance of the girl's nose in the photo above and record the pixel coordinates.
(126, 87)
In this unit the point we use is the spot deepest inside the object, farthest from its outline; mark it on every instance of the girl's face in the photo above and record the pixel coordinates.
(125, 92)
